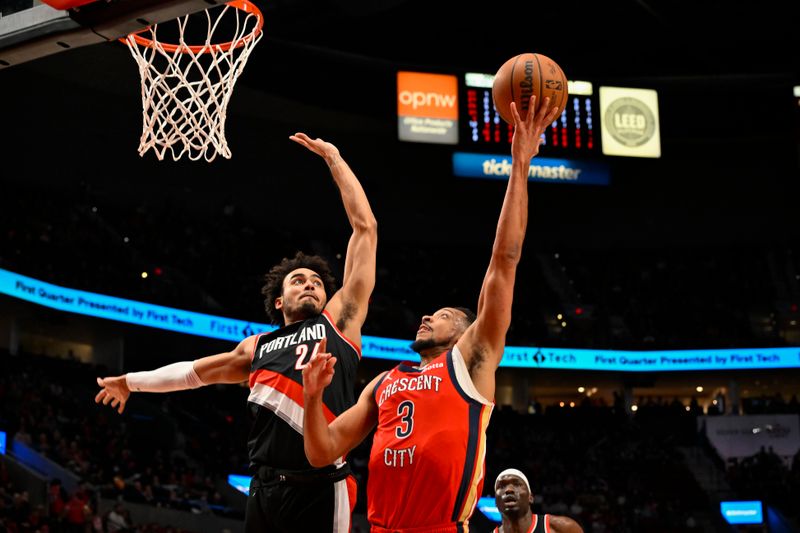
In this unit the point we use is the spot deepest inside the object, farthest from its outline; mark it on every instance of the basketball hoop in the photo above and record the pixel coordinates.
(186, 87)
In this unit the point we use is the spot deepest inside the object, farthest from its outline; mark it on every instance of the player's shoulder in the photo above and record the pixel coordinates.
(564, 524)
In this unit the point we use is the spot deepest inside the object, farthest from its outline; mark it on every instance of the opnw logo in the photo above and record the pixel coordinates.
(427, 95)
(420, 99)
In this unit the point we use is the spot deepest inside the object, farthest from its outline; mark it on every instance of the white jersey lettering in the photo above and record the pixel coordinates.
(399, 458)
(416, 383)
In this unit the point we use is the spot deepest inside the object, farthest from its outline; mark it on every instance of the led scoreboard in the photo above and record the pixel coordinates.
(574, 133)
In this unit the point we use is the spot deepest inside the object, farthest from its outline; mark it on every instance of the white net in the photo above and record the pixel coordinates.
(186, 87)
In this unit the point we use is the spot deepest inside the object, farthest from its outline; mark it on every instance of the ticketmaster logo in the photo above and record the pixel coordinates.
(543, 169)
(492, 167)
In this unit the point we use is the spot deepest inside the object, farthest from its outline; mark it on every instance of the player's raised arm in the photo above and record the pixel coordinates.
(348, 307)
(228, 367)
(326, 440)
(483, 343)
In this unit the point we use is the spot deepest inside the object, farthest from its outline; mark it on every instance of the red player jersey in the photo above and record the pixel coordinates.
(427, 462)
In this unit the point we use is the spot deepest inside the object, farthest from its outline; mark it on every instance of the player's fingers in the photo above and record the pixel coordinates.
(107, 399)
(303, 140)
(515, 114)
(318, 360)
(330, 363)
(100, 396)
(100, 381)
(531, 117)
(542, 112)
(114, 403)
(553, 115)
(121, 407)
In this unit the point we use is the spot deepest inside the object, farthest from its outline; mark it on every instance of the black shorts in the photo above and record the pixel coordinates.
(276, 506)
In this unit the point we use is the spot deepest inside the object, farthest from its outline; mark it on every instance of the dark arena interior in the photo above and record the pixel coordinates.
(652, 371)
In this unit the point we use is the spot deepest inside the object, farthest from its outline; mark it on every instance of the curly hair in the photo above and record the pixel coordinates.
(273, 288)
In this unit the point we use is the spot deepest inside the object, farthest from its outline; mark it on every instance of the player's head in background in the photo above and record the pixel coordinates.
(440, 331)
(297, 289)
(512, 494)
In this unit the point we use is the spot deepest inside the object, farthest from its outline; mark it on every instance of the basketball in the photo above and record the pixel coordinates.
(523, 76)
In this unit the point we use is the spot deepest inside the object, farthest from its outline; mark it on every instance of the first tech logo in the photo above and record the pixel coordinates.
(630, 121)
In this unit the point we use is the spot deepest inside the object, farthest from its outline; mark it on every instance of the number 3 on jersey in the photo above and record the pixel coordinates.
(302, 350)
(406, 413)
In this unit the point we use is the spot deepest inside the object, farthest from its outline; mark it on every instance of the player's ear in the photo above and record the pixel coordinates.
(279, 302)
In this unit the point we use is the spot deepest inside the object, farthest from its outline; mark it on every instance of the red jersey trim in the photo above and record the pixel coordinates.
(327, 315)
(285, 386)
(534, 523)
(473, 474)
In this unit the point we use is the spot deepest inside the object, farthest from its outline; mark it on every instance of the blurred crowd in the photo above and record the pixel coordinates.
(161, 454)
(611, 470)
(211, 257)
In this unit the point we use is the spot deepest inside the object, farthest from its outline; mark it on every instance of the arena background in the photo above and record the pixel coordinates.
(697, 249)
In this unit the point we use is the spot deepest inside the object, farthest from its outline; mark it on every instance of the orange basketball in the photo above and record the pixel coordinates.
(525, 75)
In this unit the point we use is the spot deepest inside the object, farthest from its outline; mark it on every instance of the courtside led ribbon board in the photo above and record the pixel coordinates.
(240, 483)
(488, 506)
(742, 512)
(189, 322)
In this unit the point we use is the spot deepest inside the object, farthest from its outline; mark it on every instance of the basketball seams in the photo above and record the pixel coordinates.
(539, 95)
(552, 84)
(511, 83)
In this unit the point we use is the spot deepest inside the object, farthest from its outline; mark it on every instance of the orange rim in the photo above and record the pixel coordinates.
(241, 5)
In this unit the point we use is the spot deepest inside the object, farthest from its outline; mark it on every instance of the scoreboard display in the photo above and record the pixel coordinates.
(574, 133)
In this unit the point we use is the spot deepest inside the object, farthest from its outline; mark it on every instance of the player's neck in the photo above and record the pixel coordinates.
(289, 320)
(425, 359)
(518, 524)
(429, 354)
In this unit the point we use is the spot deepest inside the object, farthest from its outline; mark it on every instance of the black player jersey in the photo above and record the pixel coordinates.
(539, 524)
(276, 389)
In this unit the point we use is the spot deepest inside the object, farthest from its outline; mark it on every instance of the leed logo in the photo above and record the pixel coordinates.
(630, 121)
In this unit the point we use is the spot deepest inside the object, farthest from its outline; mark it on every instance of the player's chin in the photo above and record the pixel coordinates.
(309, 307)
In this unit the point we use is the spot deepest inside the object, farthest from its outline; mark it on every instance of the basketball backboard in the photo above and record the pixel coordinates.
(30, 29)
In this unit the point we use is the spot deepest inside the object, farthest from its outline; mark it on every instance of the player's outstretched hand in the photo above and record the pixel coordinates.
(318, 373)
(528, 132)
(322, 148)
(114, 391)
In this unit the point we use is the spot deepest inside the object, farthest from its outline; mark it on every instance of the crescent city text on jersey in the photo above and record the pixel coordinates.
(315, 332)
(414, 383)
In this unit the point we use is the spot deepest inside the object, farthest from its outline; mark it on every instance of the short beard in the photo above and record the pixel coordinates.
(424, 344)
(306, 310)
